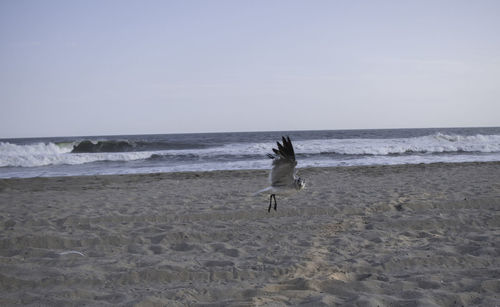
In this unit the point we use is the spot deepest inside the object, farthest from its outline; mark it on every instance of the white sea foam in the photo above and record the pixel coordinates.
(42, 154)
(437, 147)
(437, 143)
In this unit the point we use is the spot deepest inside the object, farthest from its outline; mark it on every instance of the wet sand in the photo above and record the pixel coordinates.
(405, 235)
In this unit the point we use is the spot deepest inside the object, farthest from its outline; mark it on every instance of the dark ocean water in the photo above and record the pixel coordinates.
(125, 154)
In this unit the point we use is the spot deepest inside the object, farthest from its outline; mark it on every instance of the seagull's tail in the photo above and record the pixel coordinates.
(261, 191)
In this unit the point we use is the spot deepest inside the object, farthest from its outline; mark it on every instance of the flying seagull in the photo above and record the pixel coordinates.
(283, 177)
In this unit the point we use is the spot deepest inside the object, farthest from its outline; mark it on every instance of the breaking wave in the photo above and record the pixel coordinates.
(81, 152)
(41, 154)
(88, 146)
(431, 144)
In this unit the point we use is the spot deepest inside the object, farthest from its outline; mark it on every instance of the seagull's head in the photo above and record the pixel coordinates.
(300, 183)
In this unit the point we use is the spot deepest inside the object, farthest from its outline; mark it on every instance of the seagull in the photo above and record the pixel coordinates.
(283, 178)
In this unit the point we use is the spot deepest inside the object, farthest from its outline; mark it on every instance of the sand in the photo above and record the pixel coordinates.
(411, 235)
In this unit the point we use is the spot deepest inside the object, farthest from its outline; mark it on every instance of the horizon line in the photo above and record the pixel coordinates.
(254, 131)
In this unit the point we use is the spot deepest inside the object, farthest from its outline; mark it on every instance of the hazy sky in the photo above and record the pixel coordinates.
(134, 67)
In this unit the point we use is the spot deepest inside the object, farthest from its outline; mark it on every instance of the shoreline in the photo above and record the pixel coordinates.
(423, 234)
(299, 169)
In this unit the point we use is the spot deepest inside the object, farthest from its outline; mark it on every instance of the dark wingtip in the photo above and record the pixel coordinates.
(285, 149)
(281, 147)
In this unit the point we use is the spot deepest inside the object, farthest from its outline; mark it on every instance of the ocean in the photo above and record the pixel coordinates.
(127, 154)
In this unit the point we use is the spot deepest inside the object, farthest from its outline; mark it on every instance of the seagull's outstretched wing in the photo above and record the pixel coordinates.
(283, 171)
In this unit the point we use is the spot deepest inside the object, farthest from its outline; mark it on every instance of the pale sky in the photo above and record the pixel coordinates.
(137, 67)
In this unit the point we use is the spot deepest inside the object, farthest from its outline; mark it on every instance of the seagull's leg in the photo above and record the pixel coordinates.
(275, 204)
(270, 202)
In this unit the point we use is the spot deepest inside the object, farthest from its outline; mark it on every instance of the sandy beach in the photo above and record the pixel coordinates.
(409, 235)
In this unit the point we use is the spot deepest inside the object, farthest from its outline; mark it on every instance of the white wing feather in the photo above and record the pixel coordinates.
(282, 173)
